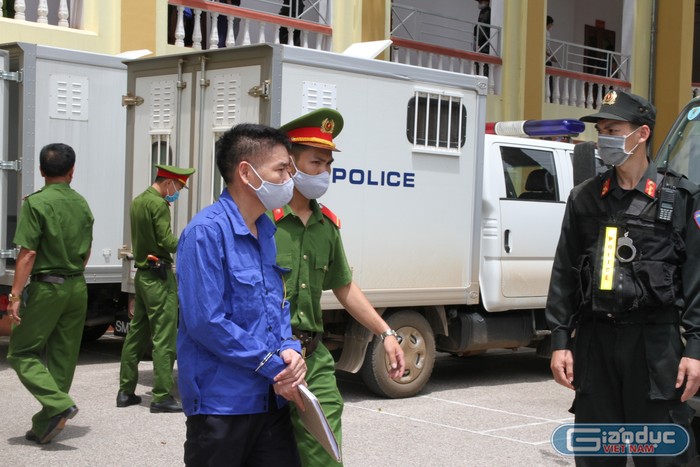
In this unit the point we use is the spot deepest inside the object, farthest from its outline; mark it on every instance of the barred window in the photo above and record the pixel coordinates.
(436, 121)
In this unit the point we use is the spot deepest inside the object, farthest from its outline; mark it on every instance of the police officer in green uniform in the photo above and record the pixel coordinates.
(623, 283)
(155, 309)
(309, 244)
(54, 234)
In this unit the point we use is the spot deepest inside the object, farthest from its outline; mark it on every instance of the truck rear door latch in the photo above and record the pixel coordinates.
(262, 91)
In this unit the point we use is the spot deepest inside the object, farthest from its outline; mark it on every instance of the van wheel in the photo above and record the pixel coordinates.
(92, 333)
(418, 344)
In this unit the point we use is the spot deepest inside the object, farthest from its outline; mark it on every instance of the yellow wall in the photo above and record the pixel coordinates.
(533, 40)
(137, 24)
(674, 59)
(100, 31)
(347, 23)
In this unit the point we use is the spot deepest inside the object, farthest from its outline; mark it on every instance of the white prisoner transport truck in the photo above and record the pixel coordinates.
(50, 95)
(451, 234)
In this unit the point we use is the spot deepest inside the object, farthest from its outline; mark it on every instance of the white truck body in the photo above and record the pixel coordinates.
(449, 232)
(435, 224)
(50, 95)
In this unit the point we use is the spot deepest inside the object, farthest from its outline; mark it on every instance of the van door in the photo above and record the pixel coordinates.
(225, 102)
(531, 215)
(4, 156)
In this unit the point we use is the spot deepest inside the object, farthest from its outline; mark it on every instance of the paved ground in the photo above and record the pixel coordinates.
(497, 409)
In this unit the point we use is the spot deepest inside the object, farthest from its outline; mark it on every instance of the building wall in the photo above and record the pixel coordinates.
(100, 33)
(113, 27)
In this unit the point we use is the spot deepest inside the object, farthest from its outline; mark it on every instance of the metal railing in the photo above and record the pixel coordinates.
(205, 24)
(53, 12)
(432, 40)
(445, 31)
(590, 60)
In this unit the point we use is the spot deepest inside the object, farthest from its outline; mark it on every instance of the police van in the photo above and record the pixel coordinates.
(449, 231)
(50, 95)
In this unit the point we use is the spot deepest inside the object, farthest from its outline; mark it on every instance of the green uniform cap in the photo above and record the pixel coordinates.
(317, 128)
(177, 173)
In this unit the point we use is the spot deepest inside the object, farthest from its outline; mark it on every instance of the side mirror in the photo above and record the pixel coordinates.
(584, 162)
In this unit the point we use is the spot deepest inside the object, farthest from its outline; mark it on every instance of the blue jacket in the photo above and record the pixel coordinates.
(233, 313)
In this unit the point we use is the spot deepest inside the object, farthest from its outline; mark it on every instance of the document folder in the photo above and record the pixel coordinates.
(316, 423)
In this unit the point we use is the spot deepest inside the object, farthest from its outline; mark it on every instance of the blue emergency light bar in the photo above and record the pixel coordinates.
(562, 127)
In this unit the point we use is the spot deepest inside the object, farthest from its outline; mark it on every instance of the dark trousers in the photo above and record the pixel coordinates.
(613, 383)
(257, 440)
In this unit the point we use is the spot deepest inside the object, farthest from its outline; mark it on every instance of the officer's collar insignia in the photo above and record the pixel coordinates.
(327, 126)
(650, 188)
(610, 98)
(278, 213)
(697, 218)
(606, 188)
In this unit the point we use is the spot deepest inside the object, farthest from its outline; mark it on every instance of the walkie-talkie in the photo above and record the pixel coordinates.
(667, 196)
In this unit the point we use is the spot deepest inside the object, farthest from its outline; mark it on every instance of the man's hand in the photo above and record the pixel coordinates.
(688, 372)
(291, 393)
(13, 312)
(562, 366)
(295, 371)
(395, 353)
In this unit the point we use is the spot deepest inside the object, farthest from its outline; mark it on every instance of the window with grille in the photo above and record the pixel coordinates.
(161, 152)
(436, 121)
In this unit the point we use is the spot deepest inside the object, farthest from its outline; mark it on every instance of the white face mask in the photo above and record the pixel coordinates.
(611, 149)
(311, 186)
(273, 195)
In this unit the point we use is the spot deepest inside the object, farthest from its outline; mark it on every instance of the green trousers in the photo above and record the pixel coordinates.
(320, 377)
(44, 347)
(155, 320)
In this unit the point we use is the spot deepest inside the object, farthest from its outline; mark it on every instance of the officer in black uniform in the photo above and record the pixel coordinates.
(622, 285)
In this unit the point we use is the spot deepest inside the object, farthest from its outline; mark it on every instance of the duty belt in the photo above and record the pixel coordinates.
(638, 317)
(54, 278)
(308, 340)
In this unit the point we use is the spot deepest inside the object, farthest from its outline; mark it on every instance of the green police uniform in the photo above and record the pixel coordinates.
(56, 222)
(315, 255)
(155, 310)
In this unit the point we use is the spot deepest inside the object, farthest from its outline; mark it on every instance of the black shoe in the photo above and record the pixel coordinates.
(56, 424)
(30, 436)
(169, 405)
(124, 399)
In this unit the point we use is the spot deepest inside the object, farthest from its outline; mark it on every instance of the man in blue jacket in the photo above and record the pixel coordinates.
(237, 359)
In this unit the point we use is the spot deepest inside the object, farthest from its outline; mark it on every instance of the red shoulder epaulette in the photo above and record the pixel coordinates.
(278, 214)
(329, 214)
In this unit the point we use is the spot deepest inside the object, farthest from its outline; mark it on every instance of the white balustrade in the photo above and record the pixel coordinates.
(42, 12)
(180, 27)
(63, 14)
(197, 33)
(230, 33)
(20, 6)
(214, 34)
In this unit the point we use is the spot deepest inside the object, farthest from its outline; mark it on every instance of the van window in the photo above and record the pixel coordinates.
(161, 152)
(529, 174)
(436, 121)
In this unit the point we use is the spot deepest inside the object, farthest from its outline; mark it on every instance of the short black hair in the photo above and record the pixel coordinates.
(550, 20)
(246, 142)
(56, 159)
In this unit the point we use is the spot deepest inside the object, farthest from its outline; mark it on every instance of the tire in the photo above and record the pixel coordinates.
(93, 333)
(418, 344)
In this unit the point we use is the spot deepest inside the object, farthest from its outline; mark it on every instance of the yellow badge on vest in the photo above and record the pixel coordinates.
(608, 267)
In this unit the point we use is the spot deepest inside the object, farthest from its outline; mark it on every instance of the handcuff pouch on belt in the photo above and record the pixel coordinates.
(308, 340)
(158, 267)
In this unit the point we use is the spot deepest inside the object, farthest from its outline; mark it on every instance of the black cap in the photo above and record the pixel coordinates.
(619, 105)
